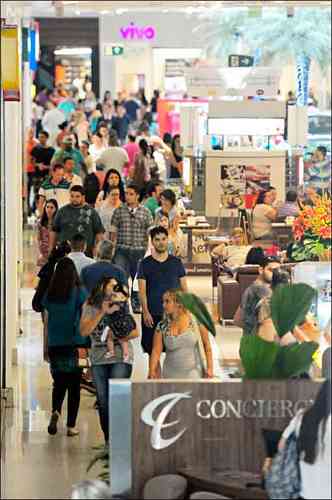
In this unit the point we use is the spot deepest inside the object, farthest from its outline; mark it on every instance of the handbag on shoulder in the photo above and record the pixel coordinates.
(284, 478)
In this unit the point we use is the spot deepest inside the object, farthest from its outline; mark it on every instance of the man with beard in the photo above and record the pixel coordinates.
(77, 218)
(157, 273)
(246, 316)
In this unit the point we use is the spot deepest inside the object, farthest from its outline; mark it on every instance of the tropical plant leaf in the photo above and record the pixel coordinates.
(100, 456)
(197, 309)
(289, 306)
(104, 476)
(294, 359)
(258, 357)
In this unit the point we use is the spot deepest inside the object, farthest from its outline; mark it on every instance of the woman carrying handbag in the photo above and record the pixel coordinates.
(302, 467)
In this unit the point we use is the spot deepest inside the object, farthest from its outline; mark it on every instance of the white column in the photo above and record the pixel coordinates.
(12, 144)
(13, 162)
(107, 64)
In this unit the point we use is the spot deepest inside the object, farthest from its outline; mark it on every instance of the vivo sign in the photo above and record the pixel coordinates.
(133, 32)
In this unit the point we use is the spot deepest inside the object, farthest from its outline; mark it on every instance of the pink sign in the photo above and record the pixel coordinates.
(133, 32)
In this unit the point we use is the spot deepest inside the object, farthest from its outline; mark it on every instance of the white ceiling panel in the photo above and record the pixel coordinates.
(76, 7)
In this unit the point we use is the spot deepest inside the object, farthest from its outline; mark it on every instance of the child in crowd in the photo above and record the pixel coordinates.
(120, 322)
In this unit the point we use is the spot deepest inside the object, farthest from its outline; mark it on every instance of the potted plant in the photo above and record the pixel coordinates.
(312, 232)
(102, 457)
(262, 359)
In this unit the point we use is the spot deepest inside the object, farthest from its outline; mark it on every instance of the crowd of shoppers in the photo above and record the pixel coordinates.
(120, 134)
(105, 221)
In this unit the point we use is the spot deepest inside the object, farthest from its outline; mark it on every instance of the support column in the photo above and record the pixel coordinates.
(12, 153)
(13, 189)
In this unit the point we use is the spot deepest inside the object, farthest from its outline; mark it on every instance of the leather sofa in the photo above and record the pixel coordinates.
(230, 291)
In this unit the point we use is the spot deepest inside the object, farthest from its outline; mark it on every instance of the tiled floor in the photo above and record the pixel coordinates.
(34, 464)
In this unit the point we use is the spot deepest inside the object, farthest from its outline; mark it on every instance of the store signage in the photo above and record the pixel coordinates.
(133, 32)
(10, 62)
(113, 50)
(212, 409)
(158, 424)
(237, 61)
(247, 82)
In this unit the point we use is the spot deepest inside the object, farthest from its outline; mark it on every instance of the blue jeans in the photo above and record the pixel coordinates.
(128, 260)
(101, 375)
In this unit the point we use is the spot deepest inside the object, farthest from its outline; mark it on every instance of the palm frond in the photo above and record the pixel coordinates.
(307, 33)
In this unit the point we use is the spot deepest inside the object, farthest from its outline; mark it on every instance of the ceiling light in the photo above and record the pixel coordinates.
(121, 11)
(189, 10)
(78, 12)
(165, 11)
(81, 51)
(104, 12)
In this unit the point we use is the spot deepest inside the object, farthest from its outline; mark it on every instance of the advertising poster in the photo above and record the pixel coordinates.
(240, 184)
(233, 185)
(10, 65)
(258, 178)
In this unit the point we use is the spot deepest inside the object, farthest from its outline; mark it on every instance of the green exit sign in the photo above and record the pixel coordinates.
(237, 61)
(113, 50)
(117, 51)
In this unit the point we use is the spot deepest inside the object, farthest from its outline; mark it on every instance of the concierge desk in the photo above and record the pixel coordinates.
(163, 427)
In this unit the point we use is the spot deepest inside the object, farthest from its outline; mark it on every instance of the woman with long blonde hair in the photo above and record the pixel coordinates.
(185, 341)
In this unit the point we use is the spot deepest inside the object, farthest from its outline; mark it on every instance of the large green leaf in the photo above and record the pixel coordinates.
(197, 309)
(102, 456)
(289, 306)
(258, 357)
(294, 359)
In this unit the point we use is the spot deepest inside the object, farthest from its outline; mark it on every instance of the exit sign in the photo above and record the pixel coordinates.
(113, 50)
(236, 61)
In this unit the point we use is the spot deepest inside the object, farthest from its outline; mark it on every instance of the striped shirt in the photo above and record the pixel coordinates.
(58, 192)
(132, 227)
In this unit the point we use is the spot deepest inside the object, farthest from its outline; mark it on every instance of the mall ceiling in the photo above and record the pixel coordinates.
(72, 7)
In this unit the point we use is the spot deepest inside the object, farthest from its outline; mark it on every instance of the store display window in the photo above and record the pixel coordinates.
(73, 67)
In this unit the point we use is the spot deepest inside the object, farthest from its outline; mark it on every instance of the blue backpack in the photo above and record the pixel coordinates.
(284, 478)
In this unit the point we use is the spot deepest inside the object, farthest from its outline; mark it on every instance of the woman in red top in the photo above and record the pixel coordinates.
(31, 142)
(44, 227)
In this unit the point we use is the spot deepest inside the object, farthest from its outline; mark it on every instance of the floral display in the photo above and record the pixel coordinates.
(312, 231)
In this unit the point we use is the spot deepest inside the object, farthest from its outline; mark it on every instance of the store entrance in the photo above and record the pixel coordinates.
(133, 82)
(73, 68)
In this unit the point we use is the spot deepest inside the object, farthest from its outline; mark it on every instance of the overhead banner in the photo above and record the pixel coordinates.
(213, 81)
(10, 67)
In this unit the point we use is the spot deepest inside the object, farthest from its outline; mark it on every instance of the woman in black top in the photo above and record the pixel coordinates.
(63, 301)
(108, 184)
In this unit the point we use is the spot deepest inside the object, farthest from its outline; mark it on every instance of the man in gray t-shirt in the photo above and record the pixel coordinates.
(260, 289)
(77, 218)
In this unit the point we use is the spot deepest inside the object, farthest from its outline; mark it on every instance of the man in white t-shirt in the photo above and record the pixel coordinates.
(51, 121)
(114, 156)
(236, 253)
(78, 246)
